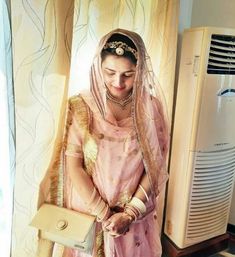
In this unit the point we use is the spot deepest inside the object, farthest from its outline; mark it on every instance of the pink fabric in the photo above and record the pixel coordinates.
(117, 172)
(148, 112)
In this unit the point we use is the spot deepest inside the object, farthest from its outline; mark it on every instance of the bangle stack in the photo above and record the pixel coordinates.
(135, 208)
(100, 208)
(104, 215)
(132, 212)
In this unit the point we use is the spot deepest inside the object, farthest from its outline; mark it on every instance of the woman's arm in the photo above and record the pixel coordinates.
(86, 189)
(144, 189)
(80, 179)
(119, 222)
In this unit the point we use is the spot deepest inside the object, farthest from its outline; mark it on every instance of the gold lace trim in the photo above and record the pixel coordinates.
(72, 148)
(90, 149)
(113, 139)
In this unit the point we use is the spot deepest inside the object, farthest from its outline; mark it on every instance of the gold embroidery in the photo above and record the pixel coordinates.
(81, 114)
(99, 243)
(133, 152)
(114, 139)
(100, 136)
(80, 111)
(90, 150)
(72, 148)
(123, 198)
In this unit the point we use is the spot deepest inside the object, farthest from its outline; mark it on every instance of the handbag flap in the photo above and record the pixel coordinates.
(68, 223)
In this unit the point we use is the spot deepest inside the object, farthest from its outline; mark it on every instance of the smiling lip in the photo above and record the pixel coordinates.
(119, 88)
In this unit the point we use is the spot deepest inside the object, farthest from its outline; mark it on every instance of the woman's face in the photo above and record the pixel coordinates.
(119, 75)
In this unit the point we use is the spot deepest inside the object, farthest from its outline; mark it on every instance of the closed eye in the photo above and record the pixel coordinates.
(109, 72)
(129, 74)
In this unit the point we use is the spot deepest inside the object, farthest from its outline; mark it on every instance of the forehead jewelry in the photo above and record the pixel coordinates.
(120, 48)
(122, 102)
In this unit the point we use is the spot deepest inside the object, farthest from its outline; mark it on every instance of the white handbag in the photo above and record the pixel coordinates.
(67, 227)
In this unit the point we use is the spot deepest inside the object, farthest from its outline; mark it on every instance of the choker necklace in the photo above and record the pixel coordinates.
(122, 102)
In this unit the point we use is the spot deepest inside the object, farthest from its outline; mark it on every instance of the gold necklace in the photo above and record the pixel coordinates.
(122, 102)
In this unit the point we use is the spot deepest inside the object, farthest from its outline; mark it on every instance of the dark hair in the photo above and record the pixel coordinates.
(112, 51)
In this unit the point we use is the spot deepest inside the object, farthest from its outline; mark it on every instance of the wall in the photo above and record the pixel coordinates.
(184, 23)
(218, 13)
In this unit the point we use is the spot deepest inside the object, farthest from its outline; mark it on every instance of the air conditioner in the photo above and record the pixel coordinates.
(202, 161)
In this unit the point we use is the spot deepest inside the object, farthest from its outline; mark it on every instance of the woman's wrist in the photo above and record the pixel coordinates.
(130, 215)
(98, 207)
(104, 215)
(135, 208)
(138, 204)
(144, 192)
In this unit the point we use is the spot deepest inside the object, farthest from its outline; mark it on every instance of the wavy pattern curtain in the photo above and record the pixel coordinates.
(42, 32)
(7, 135)
(44, 35)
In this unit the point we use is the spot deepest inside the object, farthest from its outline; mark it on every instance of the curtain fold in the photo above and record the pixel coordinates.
(7, 135)
(44, 33)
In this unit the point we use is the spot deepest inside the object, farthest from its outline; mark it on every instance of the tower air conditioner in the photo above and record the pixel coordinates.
(202, 163)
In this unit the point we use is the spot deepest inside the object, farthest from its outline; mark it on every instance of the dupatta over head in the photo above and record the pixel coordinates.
(148, 110)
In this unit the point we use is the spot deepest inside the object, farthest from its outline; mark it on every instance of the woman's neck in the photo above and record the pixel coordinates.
(120, 102)
(118, 111)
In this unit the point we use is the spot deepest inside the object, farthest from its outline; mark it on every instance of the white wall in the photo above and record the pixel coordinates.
(216, 13)
(184, 23)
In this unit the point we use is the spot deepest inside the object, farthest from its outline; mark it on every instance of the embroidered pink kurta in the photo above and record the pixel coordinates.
(116, 174)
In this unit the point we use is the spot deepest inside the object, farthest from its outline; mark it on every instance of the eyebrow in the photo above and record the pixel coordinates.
(128, 71)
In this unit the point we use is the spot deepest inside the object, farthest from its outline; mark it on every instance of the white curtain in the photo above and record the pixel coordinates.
(7, 132)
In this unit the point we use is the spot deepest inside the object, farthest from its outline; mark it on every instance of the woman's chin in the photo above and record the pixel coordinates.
(119, 93)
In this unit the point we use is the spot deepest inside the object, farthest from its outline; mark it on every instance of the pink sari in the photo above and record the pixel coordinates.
(116, 174)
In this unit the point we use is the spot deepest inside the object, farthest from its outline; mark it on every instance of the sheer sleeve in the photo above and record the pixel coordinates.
(163, 139)
(75, 128)
(74, 139)
(162, 129)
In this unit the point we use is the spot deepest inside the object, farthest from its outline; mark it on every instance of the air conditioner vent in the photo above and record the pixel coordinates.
(211, 188)
(221, 55)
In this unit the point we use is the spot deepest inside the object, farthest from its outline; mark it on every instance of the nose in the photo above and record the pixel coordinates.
(118, 81)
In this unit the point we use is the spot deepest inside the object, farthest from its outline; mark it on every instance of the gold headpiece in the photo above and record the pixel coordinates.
(120, 48)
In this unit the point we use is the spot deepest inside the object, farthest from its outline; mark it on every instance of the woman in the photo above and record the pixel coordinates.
(116, 146)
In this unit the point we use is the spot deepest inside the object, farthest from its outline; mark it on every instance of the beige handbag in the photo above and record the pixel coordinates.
(67, 227)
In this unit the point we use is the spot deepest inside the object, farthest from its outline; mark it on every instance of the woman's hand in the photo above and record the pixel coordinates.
(118, 224)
